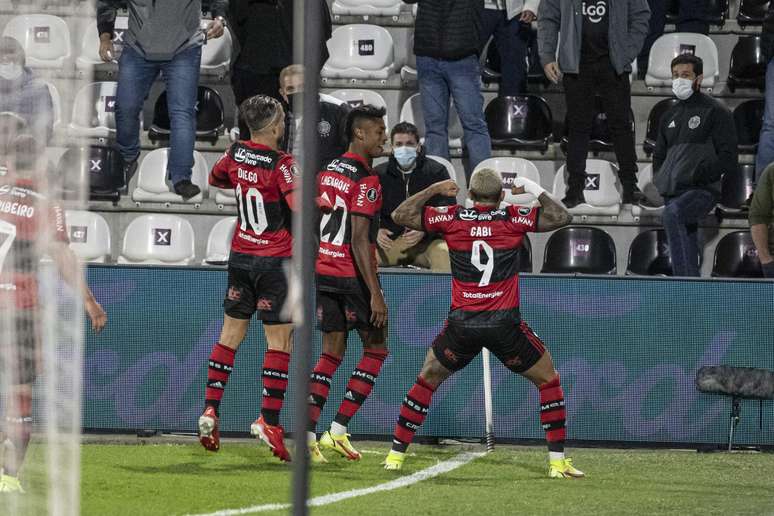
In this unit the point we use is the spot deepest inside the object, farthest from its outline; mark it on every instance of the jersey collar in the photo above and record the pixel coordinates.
(358, 157)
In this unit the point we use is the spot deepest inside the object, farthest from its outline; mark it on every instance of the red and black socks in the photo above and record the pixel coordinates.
(220, 365)
(552, 414)
(275, 383)
(320, 386)
(413, 412)
(360, 384)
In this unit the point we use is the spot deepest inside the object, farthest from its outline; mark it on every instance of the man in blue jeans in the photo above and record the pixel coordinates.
(766, 141)
(446, 43)
(695, 147)
(163, 37)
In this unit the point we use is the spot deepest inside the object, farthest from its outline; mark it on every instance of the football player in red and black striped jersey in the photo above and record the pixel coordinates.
(483, 248)
(263, 178)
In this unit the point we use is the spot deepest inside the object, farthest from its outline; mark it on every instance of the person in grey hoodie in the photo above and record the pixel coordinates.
(696, 145)
(599, 40)
(163, 37)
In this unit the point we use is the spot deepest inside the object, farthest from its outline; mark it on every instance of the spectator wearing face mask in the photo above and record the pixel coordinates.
(22, 93)
(696, 146)
(333, 116)
(407, 172)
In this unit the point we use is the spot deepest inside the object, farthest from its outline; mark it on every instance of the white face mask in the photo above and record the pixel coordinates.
(682, 88)
(10, 71)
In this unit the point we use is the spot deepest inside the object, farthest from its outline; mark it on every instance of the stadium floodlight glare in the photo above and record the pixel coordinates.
(739, 383)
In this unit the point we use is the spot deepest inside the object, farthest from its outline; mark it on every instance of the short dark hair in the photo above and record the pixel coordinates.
(10, 46)
(698, 64)
(360, 113)
(405, 128)
(259, 112)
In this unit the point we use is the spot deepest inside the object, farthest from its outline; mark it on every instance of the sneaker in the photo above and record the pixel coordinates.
(340, 444)
(563, 468)
(209, 434)
(315, 455)
(394, 460)
(9, 484)
(186, 189)
(129, 168)
(273, 436)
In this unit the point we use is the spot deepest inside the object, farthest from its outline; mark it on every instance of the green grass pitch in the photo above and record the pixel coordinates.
(175, 479)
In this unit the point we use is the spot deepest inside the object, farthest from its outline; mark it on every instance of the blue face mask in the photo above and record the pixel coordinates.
(406, 156)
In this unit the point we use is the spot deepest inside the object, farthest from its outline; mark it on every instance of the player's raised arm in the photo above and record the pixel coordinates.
(409, 213)
(553, 214)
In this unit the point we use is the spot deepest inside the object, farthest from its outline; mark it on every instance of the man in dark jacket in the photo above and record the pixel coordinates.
(766, 141)
(695, 147)
(446, 43)
(407, 172)
(162, 37)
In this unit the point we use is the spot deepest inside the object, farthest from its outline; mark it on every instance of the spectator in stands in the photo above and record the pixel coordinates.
(263, 46)
(696, 145)
(598, 44)
(162, 37)
(765, 154)
(762, 220)
(446, 43)
(22, 93)
(409, 171)
(509, 22)
(333, 117)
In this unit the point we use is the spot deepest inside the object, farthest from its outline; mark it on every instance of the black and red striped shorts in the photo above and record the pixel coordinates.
(514, 344)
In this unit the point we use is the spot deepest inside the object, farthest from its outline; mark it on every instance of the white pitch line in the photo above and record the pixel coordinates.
(427, 473)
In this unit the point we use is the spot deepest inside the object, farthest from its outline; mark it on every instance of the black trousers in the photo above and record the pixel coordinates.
(247, 84)
(598, 78)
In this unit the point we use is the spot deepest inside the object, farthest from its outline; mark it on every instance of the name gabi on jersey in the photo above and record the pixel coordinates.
(14, 208)
(480, 231)
(337, 166)
(338, 184)
(242, 155)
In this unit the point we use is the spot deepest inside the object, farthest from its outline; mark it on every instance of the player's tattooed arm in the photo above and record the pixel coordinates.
(553, 214)
(409, 213)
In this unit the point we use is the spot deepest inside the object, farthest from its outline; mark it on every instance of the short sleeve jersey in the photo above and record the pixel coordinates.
(483, 250)
(352, 189)
(27, 218)
(261, 178)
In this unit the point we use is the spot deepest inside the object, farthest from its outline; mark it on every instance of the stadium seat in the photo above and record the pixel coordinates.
(510, 169)
(602, 191)
(736, 188)
(523, 122)
(216, 53)
(366, 7)
(490, 62)
(94, 111)
(210, 116)
(219, 242)
(600, 139)
(736, 257)
(458, 176)
(717, 11)
(751, 12)
(645, 184)
(158, 239)
(412, 112)
(649, 254)
(89, 235)
(56, 102)
(102, 166)
(359, 51)
(654, 123)
(748, 119)
(581, 250)
(45, 38)
(748, 66)
(153, 185)
(359, 97)
(408, 73)
(89, 59)
(670, 46)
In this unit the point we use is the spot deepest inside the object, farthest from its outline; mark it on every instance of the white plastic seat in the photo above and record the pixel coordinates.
(45, 39)
(89, 59)
(152, 182)
(458, 176)
(366, 7)
(412, 112)
(216, 53)
(602, 191)
(409, 71)
(158, 239)
(56, 102)
(94, 111)
(669, 46)
(219, 242)
(359, 51)
(510, 169)
(645, 184)
(89, 235)
(359, 97)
